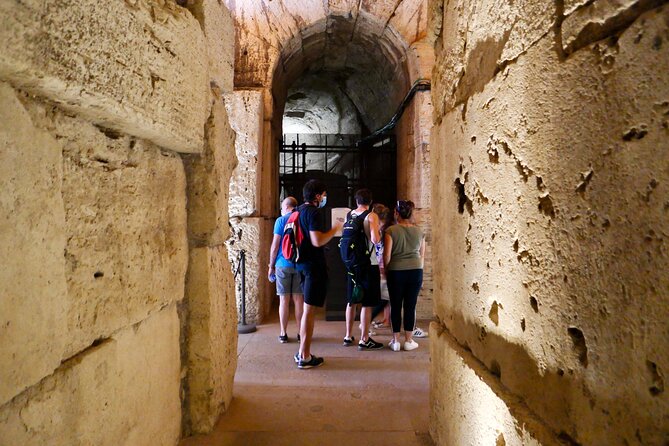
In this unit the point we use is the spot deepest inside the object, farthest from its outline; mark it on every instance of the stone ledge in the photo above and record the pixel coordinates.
(140, 68)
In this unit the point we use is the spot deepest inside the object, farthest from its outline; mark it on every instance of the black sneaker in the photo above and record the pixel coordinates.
(370, 344)
(283, 338)
(297, 357)
(314, 361)
(348, 341)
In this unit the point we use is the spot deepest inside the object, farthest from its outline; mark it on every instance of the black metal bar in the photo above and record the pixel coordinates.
(419, 85)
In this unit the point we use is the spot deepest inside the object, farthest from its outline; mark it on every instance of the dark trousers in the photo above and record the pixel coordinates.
(403, 287)
(379, 309)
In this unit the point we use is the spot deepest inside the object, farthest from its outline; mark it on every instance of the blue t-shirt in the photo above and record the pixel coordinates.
(281, 261)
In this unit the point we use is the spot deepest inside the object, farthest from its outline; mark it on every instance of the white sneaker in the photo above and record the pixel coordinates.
(418, 333)
(410, 345)
(394, 346)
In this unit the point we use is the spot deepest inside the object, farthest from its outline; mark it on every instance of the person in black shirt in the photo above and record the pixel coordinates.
(311, 265)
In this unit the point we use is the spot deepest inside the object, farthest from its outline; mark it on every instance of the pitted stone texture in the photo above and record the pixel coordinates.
(254, 236)
(425, 306)
(124, 391)
(208, 177)
(471, 393)
(125, 222)
(550, 234)
(219, 31)
(212, 340)
(244, 109)
(317, 104)
(470, 50)
(33, 302)
(210, 294)
(140, 67)
(599, 19)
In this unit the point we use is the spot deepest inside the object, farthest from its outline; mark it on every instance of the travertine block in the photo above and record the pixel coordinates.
(33, 294)
(469, 406)
(599, 19)
(212, 340)
(246, 119)
(550, 233)
(208, 177)
(140, 67)
(253, 235)
(125, 223)
(124, 391)
(471, 50)
(219, 31)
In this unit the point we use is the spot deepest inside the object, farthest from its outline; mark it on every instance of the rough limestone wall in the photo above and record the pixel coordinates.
(250, 232)
(95, 99)
(109, 326)
(550, 161)
(208, 312)
(413, 162)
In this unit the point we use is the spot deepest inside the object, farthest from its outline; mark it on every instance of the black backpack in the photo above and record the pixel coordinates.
(354, 246)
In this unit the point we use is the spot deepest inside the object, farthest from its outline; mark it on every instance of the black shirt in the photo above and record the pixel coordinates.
(311, 219)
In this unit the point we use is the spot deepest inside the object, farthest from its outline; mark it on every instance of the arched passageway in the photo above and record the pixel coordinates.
(359, 60)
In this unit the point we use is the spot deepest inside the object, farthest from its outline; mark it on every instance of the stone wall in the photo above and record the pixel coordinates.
(550, 161)
(101, 221)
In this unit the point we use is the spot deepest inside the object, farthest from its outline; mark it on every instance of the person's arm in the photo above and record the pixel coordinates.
(319, 238)
(374, 228)
(273, 253)
(387, 249)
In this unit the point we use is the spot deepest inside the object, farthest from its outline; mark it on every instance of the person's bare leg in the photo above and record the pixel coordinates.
(350, 318)
(365, 321)
(386, 315)
(284, 311)
(298, 300)
(307, 330)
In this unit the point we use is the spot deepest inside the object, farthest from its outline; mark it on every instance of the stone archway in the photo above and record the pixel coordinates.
(372, 44)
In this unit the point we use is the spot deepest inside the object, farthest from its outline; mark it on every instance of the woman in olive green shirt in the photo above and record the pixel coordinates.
(403, 254)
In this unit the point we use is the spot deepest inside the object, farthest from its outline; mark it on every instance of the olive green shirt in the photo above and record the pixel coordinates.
(405, 252)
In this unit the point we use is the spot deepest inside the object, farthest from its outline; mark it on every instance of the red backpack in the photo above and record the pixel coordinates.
(292, 238)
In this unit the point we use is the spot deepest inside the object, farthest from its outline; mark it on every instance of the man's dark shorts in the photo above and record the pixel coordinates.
(371, 282)
(314, 285)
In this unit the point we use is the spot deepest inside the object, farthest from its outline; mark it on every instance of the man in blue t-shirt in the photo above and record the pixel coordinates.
(283, 271)
(312, 264)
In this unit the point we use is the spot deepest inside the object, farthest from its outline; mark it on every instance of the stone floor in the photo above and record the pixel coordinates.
(363, 398)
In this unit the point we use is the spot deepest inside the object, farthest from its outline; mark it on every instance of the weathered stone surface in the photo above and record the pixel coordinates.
(245, 111)
(253, 235)
(211, 319)
(316, 104)
(212, 336)
(208, 177)
(472, 394)
(140, 67)
(471, 51)
(599, 19)
(550, 234)
(124, 391)
(219, 31)
(125, 223)
(33, 293)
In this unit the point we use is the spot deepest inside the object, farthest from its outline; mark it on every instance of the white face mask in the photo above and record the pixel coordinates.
(323, 201)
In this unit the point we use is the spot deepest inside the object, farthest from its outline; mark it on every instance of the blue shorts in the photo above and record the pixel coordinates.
(288, 281)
